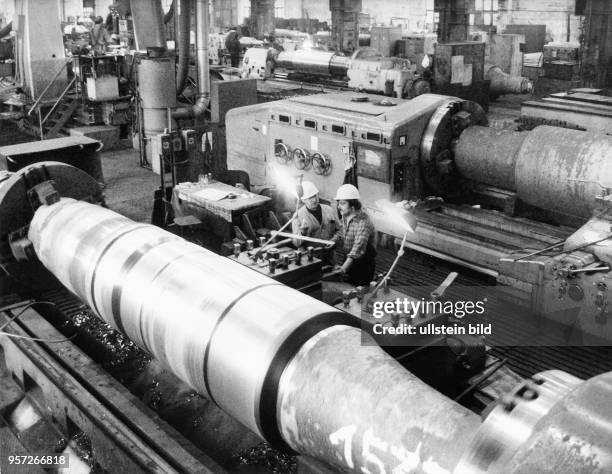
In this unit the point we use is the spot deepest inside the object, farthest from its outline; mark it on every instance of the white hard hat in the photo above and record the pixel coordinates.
(309, 190)
(346, 192)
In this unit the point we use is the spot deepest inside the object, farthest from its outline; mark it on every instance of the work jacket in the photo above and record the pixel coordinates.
(324, 230)
(357, 235)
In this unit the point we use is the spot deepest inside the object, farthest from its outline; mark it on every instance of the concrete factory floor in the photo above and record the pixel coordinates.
(129, 188)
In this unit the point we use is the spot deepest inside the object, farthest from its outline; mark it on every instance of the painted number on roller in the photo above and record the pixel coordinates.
(371, 443)
(409, 461)
(345, 435)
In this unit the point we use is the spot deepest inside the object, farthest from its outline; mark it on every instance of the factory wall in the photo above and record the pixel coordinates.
(74, 8)
(552, 13)
(66, 8)
(409, 12)
(318, 9)
(243, 10)
(557, 15)
(412, 14)
(71, 8)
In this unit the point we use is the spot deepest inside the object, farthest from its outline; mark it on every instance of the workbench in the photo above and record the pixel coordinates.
(216, 204)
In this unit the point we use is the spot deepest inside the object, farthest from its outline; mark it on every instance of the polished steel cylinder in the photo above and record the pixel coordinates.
(553, 423)
(289, 367)
(319, 63)
(575, 435)
(552, 168)
(221, 328)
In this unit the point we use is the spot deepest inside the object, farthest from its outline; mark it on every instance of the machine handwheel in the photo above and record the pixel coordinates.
(320, 164)
(301, 158)
(282, 153)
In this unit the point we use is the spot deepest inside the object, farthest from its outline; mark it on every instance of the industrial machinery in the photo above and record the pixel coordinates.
(368, 70)
(365, 69)
(297, 268)
(579, 109)
(552, 186)
(290, 368)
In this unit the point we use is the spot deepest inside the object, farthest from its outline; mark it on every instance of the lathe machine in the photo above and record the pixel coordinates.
(501, 196)
(368, 70)
(290, 368)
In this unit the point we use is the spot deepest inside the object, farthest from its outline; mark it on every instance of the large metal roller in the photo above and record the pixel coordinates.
(552, 168)
(289, 367)
(503, 83)
(306, 61)
(552, 423)
(216, 325)
(487, 155)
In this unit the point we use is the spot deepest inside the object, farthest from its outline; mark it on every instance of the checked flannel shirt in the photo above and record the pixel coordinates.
(357, 231)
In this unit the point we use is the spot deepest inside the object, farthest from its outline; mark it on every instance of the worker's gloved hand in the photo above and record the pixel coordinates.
(304, 228)
(331, 245)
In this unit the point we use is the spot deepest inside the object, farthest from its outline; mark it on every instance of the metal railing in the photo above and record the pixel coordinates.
(35, 106)
(59, 99)
(51, 82)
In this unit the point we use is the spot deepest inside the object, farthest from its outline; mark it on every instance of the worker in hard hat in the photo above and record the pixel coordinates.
(357, 236)
(315, 219)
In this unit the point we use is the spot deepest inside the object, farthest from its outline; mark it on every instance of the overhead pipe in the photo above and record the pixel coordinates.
(203, 96)
(183, 19)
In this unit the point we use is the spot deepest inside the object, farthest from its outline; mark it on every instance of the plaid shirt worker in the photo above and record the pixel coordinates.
(357, 231)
